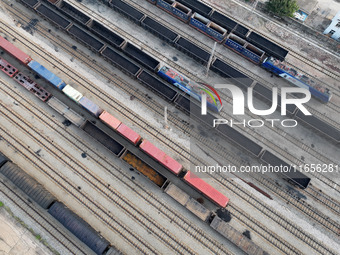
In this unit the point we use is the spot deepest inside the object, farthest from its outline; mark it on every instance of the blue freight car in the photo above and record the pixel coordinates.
(244, 48)
(296, 77)
(176, 9)
(191, 88)
(46, 74)
(207, 27)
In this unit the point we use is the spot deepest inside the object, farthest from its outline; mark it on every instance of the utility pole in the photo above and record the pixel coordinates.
(210, 59)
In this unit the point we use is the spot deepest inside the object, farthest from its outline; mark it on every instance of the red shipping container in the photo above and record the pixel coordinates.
(109, 120)
(128, 133)
(161, 157)
(206, 189)
(14, 51)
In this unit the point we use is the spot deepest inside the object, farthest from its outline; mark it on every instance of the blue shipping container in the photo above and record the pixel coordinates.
(46, 74)
(90, 106)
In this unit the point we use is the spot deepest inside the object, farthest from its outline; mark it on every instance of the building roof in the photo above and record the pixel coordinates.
(307, 5)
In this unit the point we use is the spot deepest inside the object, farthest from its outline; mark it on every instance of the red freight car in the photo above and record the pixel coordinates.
(128, 133)
(14, 51)
(206, 189)
(161, 157)
(7, 68)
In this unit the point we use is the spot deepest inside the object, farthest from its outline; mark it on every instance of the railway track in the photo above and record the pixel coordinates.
(179, 148)
(222, 56)
(297, 55)
(331, 203)
(302, 206)
(41, 219)
(291, 155)
(97, 210)
(129, 210)
(253, 133)
(274, 239)
(109, 192)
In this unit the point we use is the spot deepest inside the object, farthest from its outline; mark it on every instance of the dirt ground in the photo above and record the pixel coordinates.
(17, 240)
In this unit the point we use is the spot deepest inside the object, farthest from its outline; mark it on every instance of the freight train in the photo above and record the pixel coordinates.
(112, 41)
(238, 38)
(118, 149)
(72, 222)
(228, 132)
(85, 233)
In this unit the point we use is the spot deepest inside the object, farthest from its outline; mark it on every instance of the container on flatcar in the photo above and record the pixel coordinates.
(14, 51)
(46, 74)
(161, 157)
(72, 93)
(109, 120)
(94, 109)
(129, 134)
(206, 189)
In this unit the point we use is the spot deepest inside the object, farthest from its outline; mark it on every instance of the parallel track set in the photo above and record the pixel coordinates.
(234, 210)
(282, 246)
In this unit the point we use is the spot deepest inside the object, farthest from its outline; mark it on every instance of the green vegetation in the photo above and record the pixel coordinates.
(37, 236)
(282, 8)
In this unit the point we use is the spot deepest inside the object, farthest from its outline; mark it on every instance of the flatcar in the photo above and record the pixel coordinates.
(7, 68)
(206, 189)
(192, 88)
(296, 77)
(14, 51)
(46, 74)
(161, 157)
(225, 69)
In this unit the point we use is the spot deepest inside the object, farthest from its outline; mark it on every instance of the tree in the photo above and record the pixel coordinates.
(282, 8)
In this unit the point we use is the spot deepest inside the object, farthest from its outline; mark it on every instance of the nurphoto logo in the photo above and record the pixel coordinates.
(239, 104)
